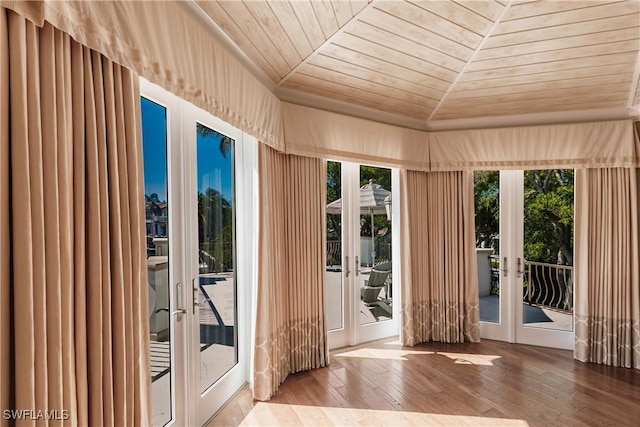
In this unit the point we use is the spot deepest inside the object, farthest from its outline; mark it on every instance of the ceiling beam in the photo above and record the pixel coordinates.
(634, 82)
(329, 40)
(471, 58)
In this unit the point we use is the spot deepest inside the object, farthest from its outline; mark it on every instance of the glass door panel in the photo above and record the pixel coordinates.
(487, 211)
(219, 270)
(333, 273)
(217, 311)
(547, 263)
(154, 148)
(374, 275)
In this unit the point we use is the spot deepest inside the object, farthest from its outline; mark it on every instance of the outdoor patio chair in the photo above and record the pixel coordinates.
(377, 281)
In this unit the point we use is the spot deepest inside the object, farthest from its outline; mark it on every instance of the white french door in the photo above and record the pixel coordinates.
(218, 265)
(361, 277)
(200, 226)
(524, 224)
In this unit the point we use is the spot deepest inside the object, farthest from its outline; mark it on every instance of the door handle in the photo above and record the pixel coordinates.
(180, 308)
(346, 263)
(504, 269)
(357, 266)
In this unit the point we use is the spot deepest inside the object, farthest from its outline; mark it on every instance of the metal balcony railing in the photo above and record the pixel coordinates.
(546, 285)
(549, 285)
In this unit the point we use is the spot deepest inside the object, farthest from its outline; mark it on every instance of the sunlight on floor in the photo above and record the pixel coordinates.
(264, 414)
(379, 353)
(470, 359)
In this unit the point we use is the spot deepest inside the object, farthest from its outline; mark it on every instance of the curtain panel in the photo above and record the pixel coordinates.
(439, 275)
(72, 250)
(607, 283)
(174, 50)
(577, 145)
(317, 133)
(290, 316)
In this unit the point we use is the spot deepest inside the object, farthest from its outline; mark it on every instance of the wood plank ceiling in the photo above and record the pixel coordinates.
(444, 61)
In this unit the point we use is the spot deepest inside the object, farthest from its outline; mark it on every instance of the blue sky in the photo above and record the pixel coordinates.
(154, 148)
(214, 170)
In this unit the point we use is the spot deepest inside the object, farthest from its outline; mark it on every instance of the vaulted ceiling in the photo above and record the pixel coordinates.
(425, 63)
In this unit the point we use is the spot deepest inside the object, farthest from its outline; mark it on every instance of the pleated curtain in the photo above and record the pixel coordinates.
(73, 290)
(607, 285)
(439, 274)
(290, 319)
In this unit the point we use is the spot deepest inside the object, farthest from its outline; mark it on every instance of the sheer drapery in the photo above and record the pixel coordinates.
(439, 274)
(607, 295)
(290, 316)
(73, 327)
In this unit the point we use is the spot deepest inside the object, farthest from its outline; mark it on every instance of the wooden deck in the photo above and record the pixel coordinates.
(491, 383)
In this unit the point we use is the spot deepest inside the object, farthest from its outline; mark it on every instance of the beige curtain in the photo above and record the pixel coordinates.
(164, 42)
(290, 319)
(439, 272)
(317, 133)
(607, 283)
(74, 327)
(576, 145)
(5, 223)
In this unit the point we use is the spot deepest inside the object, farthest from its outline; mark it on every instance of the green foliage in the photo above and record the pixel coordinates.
(334, 192)
(152, 204)
(215, 228)
(382, 227)
(380, 176)
(487, 208)
(548, 216)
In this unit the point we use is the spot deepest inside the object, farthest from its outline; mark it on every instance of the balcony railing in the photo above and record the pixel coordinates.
(549, 285)
(334, 251)
(546, 285)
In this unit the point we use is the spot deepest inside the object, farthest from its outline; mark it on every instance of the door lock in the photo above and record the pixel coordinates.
(180, 310)
(520, 271)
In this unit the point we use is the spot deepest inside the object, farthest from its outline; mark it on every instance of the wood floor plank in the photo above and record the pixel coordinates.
(484, 384)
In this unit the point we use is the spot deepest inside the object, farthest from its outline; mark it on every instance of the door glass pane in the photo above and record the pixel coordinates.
(333, 274)
(375, 275)
(216, 255)
(487, 208)
(548, 249)
(154, 148)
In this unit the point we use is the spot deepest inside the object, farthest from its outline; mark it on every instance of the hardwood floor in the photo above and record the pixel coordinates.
(490, 384)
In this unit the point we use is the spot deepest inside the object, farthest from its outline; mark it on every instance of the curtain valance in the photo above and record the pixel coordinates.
(578, 145)
(317, 133)
(163, 43)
